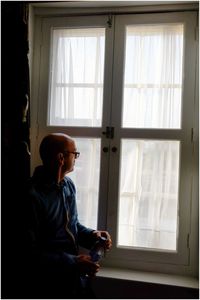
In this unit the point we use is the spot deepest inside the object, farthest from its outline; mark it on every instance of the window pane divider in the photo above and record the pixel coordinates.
(173, 134)
(78, 85)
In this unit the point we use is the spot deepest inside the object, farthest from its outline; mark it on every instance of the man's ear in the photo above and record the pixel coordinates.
(60, 156)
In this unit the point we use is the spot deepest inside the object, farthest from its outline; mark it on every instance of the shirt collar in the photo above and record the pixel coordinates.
(42, 176)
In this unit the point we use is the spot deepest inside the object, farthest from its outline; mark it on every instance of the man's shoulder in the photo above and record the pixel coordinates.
(68, 180)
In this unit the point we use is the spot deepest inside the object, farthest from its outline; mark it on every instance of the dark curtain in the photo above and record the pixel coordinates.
(15, 155)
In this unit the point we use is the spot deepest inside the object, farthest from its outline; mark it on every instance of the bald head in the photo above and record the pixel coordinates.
(53, 144)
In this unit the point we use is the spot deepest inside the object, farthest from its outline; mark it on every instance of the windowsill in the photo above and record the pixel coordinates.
(150, 277)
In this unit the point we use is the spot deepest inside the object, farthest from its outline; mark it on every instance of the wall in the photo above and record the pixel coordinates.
(109, 288)
(15, 137)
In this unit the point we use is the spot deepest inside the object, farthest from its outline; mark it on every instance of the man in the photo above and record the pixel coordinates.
(55, 269)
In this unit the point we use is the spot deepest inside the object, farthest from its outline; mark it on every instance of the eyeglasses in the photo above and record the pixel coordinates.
(77, 154)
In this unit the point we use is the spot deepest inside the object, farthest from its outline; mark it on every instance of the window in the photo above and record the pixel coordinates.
(86, 176)
(77, 66)
(153, 99)
(123, 87)
(148, 202)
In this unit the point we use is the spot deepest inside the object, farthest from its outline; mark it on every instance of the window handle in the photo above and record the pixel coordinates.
(114, 149)
(105, 149)
(109, 133)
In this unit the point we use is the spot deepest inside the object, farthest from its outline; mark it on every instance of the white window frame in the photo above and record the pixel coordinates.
(134, 259)
(137, 258)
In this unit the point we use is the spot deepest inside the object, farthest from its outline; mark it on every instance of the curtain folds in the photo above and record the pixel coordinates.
(148, 201)
(77, 61)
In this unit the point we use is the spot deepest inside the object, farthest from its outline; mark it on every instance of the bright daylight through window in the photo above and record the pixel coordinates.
(77, 62)
(148, 202)
(153, 99)
(148, 208)
(148, 212)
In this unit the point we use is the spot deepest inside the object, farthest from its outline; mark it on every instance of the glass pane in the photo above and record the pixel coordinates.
(148, 203)
(153, 76)
(76, 77)
(86, 178)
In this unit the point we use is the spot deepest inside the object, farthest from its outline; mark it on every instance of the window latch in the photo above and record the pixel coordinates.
(109, 133)
(109, 22)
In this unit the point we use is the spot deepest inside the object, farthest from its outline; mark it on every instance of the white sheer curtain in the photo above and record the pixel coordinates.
(76, 77)
(148, 212)
(153, 76)
(86, 177)
(148, 205)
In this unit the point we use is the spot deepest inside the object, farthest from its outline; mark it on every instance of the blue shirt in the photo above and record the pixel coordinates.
(54, 231)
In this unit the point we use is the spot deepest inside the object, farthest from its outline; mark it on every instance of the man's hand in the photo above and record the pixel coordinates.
(105, 234)
(87, 266)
